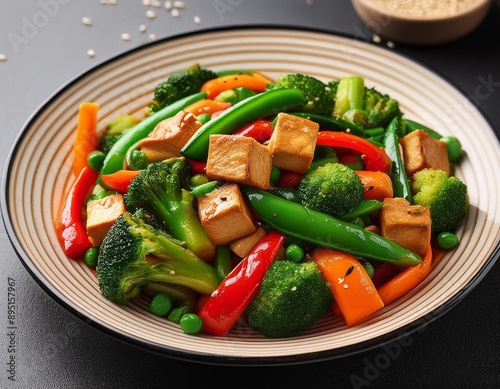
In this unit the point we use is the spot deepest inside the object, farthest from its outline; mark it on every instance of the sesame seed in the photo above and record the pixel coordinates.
(87, 21)
(156, 3)
(3, 58)
(179, 4)
(294, 289)
(112, 2)
(345, 286)
(340, 280)
(168, 5)
(197, 19)
(104, 1)
(151, 14)
(174, 12)
(376, 38)
(125, 37)
(152, 36)
(146, 3)
(390, 44)
(310, 3)
(172, 271)
(90, 53)
(142, 28)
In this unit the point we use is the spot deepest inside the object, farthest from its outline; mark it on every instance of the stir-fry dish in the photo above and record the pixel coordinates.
(241, 200)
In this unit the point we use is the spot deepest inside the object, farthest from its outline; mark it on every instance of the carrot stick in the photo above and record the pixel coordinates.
(254, 81)
(86, 137)
(378, 185)
(120, 180)
(207, 106)
(408, 279)
(351, 285)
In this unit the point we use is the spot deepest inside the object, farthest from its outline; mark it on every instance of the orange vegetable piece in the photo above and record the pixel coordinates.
(378, 185)
(120, 180)
(352, 288)
(207, 106)
(408, 279)
(254, 81)
(86, 135)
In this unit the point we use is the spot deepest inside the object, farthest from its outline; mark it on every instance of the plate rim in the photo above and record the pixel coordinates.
(216, 359)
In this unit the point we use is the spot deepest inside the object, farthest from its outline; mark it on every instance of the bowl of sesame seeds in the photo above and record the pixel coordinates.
(422, 22)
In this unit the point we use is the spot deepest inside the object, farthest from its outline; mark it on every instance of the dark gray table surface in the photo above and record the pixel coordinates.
(46, 45)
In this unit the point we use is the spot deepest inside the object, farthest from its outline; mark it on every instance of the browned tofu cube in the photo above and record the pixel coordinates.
(101, 214)
(224, 215)
(241, 247)
(421, 150)
(408, 225)
(169, 137)
(293, 142)
(239, 159)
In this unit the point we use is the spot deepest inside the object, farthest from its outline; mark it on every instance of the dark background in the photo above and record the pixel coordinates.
(55, 349)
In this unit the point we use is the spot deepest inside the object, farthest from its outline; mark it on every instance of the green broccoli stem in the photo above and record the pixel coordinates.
(350, 95)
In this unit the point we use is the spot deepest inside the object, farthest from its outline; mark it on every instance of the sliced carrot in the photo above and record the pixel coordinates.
(352, 288)
(86, 135)
(378, 185)
(254, 81)
(207, 106)
(408, 279)
(120, 180)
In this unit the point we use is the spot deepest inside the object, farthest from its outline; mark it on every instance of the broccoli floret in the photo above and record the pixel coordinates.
(445, 196)
(292, 296)
(318, 95)
(179, 85)
(380, 108)
(364, 106)
(114, 130)
(134, 253)
(332, 188)
(162, 189)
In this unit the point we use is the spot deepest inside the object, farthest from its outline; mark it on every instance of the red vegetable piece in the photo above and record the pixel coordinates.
(289, 180)
(260, 130)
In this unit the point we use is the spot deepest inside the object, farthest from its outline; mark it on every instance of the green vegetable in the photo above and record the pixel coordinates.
(364, 208)
(123, 270)
(90, 257)
(162, 189)
(447, 240)
(115, 157)
(291, 298)
(246, 111)
(332, 188)
(380, 109)
(204, 189)
(294, 253)
(332, 123)
(235, 95)
(161, 304)
(180, 85)
(445, 196)
(114, 130)
(191, 323)
(136, 160)
(324, 230)
(95, 159)
(177, 312)
(180, 295)
(222, 262)
(318, 95)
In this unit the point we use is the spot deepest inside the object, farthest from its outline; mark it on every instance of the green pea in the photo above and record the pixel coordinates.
(275, 175)
(161, 304)
(454, 147)
(137, 160)
(447, 240)
(90, 257)
(294, 253)
(191, 323)
(197, 180)
(176, 313)
(95, 159)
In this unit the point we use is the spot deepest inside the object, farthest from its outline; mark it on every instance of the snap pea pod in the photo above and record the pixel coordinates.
(115, 158)
(333, 123)
(324, 230)
(246, 111)
(400, 183)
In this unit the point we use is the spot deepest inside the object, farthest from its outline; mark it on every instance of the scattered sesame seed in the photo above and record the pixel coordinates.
(104, 1)
(310, 3)
(168, 5)
(125, 37)
(156, 3)
(152, 36)
(179, 4)
(197, 19)
(151, 14)
(91, 53)
(112, 2)
(3, 58)
(390, 44)
(142, 28)
(345, 286)
(174, 12)
(376, 38)
(146, 2)
(87, 21)
(172, 271)
(340, 280)
(294, 289)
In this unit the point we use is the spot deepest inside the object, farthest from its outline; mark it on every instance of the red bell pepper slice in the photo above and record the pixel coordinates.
(120, 180)
(197, 167)
(289, 180)
(374, 158)
(230, 299)
(70, 226)
(260, 130)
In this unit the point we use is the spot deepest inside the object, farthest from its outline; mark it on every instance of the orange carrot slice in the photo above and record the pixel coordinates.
(378, 185)
(254, 81)
(352, 288)
(207, 106)
(120, 180)
(408, 279)
(86, 136)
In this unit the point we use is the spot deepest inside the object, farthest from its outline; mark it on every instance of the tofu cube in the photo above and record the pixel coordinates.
(241, 247)
(293, 142)
(169, 137)
(421, 150)
(101, 214)
(239, 159)
(408, 225)
(224, 215)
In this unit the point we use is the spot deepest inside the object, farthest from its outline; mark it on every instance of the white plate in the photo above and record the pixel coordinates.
(39, 173)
